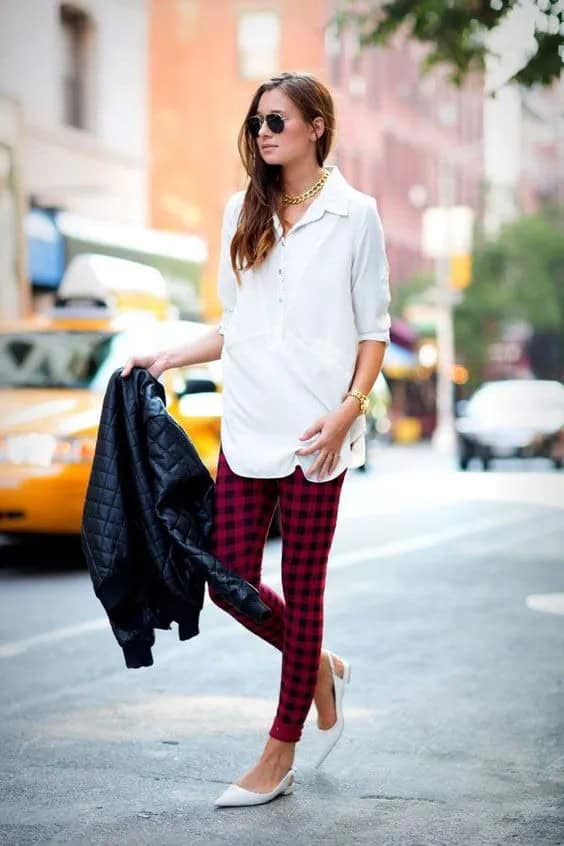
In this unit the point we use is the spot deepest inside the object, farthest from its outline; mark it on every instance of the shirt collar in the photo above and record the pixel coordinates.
(335, 192)
(333, 197)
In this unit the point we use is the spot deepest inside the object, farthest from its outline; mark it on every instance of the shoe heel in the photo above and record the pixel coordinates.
(290, 788)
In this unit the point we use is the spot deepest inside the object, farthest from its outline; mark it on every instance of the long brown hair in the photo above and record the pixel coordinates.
(254, 236)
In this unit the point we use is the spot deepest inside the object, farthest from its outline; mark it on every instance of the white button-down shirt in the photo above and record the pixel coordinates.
(291, 330)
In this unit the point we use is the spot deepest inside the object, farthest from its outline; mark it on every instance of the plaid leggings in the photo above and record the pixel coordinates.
(244, 508)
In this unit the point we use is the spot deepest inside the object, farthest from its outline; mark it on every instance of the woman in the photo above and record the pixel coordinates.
(303, 280)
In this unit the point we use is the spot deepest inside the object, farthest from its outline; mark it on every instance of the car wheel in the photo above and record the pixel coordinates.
(557, 462)
(486, 460)
(463, 461)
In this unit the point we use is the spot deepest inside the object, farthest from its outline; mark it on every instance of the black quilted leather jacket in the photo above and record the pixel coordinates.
(147, 521)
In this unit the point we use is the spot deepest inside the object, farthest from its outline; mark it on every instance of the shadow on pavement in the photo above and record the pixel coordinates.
(40, 553)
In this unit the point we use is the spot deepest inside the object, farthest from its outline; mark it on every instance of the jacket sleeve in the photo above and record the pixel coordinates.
(370, 285)
(114, 570)
(117, 593)
(134, 634)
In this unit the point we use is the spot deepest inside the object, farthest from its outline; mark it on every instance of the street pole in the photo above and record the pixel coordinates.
(443, 439)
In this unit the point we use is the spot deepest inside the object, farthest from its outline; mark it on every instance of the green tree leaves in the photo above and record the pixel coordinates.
(455, 30)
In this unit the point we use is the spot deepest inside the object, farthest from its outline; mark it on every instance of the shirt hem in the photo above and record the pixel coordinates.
(351, 465)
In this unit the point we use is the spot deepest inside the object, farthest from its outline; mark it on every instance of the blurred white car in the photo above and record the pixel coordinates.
(512, 418)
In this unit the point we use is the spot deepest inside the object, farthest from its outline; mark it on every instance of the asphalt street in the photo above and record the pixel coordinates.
(445, 592)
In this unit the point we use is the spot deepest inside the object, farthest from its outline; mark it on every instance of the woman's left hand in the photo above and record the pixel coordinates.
(332, 428)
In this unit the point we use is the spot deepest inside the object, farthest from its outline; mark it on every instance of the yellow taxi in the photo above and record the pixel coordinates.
(54, 369)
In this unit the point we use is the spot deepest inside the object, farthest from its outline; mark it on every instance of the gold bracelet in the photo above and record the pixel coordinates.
(362, 398)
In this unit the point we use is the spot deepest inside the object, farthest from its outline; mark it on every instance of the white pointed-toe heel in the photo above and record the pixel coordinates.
(332, 735)
(236, 795)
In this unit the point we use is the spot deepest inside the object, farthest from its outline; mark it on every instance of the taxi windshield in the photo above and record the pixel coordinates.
(61, 359)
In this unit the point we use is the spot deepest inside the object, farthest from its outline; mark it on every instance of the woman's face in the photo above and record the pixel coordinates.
(296, 141)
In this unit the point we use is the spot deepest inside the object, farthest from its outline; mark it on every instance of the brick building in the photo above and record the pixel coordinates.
(393, 127)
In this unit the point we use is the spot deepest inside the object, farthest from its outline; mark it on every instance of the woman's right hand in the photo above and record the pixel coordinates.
(155, 364)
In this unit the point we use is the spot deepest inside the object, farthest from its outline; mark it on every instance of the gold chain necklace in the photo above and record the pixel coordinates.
(288, 200)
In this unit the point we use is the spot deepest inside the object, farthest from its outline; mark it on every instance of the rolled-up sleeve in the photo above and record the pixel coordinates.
(370, 278)
(226, 280)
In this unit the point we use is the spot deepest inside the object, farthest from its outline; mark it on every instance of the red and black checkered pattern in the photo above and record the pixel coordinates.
(243, 510)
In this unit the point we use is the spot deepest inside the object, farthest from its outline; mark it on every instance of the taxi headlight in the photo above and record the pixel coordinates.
(43, 450)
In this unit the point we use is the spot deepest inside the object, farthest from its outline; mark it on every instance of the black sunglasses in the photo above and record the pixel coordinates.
(274, 121)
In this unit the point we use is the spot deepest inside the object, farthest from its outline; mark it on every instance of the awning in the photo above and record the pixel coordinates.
(45, 248)
(179, 257)
(136, 239)
(403, 332)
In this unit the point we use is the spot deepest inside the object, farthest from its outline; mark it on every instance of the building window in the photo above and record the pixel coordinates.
(357, 55)
(357, 81)
(75, 25)
(374, 78)
(258, 42)
(356, 171)
(333, 52)
(11, 300)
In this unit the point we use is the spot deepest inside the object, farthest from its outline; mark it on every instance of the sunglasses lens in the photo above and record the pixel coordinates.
(254, 125)
(275, 123)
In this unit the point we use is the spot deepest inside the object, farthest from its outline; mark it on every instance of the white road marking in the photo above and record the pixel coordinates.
(551, 603)
(340, 560)
(389, 550)
(16, 647)
(337, 561)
